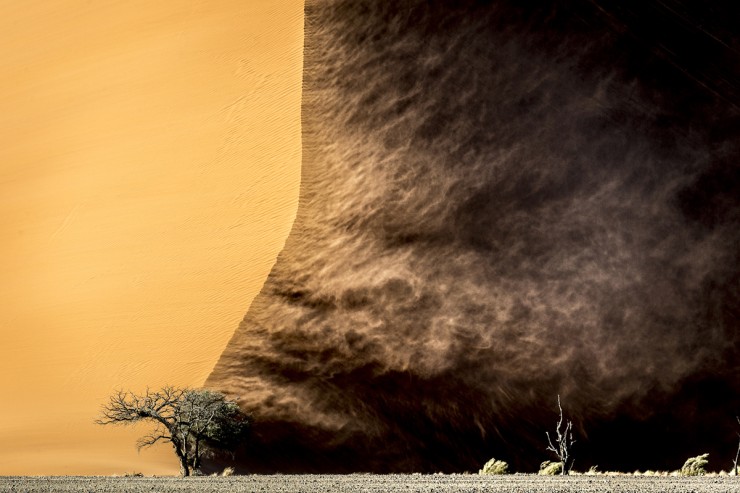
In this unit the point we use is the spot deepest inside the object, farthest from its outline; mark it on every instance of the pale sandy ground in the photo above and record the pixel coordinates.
(149, 173)
(373, 483)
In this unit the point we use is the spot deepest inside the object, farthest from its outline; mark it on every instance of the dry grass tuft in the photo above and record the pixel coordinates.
(494, 466)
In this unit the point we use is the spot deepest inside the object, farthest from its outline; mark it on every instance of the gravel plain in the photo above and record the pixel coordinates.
(371, 483)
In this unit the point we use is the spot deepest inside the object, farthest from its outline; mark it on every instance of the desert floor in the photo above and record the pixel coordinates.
(371, 483)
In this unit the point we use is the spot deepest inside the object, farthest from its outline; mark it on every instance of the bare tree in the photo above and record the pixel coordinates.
(737, 454)
(564, 440)
(194, 421)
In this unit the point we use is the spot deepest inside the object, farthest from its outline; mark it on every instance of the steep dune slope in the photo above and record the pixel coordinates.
(149, 169)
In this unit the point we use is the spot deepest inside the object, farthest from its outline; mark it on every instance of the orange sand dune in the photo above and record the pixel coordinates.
(149, 172)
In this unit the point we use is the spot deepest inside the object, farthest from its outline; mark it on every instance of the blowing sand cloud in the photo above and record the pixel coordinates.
(502, 202)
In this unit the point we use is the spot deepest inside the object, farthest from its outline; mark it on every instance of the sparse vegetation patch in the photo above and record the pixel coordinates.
(495, 466)
(549, 468)
(695, 466)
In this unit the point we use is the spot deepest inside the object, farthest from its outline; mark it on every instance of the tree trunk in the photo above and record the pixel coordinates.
(182, 457)
(196, 455)
(184, 470)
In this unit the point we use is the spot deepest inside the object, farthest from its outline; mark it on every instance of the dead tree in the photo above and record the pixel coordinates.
(193, 421)
(737, 454)
(564, 440)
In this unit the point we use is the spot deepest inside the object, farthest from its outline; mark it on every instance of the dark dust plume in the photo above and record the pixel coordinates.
(501, 202)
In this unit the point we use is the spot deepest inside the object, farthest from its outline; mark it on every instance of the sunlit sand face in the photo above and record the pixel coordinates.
(149, 172)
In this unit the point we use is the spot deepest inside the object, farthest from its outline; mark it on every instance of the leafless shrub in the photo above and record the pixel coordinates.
(564, 440)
